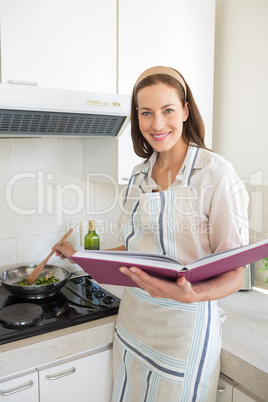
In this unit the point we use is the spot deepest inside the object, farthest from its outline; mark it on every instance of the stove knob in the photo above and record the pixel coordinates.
(78, 280)
(92, 289)
(99, 294)
(108, 300)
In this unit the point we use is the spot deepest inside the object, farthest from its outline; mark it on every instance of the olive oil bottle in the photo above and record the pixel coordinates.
(92, 240)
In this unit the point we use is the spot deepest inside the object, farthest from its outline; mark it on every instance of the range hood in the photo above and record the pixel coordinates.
(32, 111)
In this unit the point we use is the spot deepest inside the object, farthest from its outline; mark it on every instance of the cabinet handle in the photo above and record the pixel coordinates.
(18, 389)
(221, 389)
(18, 82)
(64, 374)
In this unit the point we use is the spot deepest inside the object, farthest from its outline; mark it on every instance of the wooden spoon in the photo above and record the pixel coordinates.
(39, 268)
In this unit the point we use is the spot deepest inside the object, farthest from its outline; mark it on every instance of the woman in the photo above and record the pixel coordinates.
(183, 201)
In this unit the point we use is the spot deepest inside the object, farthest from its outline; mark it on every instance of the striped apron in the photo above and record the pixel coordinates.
(164, 350)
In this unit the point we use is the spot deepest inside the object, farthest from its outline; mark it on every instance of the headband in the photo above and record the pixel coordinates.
(163, 70)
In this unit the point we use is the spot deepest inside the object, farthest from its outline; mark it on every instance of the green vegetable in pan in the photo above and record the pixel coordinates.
(43, 280)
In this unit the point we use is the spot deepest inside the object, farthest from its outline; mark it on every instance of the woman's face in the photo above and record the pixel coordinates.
(161, 116)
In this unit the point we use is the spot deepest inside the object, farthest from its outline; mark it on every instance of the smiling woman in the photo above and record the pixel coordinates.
(171, 99)
(161, 117)
(168, 335)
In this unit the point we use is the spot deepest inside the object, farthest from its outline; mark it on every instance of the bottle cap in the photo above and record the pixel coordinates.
(91, 225)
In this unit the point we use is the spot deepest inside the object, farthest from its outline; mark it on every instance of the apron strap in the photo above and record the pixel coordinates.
(193, 151)
(136, 180)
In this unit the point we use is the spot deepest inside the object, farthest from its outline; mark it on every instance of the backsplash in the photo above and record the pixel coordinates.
(42, 195)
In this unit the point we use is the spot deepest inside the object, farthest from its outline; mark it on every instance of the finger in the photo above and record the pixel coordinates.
(153, 285)
(181, 281)
(131, 274)
(149, 280)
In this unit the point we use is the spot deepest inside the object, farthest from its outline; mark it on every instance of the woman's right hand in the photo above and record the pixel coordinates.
(66, 250)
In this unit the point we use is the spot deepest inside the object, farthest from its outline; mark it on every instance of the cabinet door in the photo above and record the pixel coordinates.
(23, 388)
(240, 394)
(225, 389)
(85, 379)
(61, 44)
(174, 33)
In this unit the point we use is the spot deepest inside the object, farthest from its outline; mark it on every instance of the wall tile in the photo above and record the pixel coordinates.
(107, 198)
(7, 217)
(69, 158)
(6, 160)
(30, 209)
(8, 254)
(34, 249)
(70, 200)
(35, 154)
(107, 213)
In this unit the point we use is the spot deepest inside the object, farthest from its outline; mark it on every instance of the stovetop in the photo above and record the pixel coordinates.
(79, 301)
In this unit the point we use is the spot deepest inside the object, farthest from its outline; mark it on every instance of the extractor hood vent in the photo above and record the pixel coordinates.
(36, 112)
(53, 123)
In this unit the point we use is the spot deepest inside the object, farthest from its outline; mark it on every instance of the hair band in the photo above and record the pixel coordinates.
(163, 70)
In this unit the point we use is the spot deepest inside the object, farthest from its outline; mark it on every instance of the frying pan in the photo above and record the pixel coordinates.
(13, 275)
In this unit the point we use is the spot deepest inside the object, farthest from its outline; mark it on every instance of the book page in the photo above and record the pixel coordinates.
(223, 254)
(146, 259)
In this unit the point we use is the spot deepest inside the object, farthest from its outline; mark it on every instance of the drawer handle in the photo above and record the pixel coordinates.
(18, 82)
(55, 377)
(221, 389)
(18, 389)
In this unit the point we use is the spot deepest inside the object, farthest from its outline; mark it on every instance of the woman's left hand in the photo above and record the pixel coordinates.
(181, 290)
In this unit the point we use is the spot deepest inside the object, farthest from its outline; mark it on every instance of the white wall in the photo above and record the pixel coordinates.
(240, 129)
(241, 84)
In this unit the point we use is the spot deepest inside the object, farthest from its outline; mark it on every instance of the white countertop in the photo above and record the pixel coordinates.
(244, 356)
(244, 352)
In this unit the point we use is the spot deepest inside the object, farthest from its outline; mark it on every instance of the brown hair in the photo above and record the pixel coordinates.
(193, 128)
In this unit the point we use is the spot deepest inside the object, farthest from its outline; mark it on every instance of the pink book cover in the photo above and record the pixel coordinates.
(103, 266)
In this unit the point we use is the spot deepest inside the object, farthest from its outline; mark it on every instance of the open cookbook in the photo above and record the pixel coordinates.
(103, 266)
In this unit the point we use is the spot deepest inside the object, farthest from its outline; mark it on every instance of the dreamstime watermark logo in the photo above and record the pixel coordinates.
(48, 196)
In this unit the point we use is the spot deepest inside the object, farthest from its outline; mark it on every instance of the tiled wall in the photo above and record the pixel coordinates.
(42, 194)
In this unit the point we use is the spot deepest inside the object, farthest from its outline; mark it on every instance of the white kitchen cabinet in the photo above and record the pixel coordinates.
(21, 388)
(231, 391)
(240, 394)
(84, 379)
(174, 33)
(60, 44)
(225, 389)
